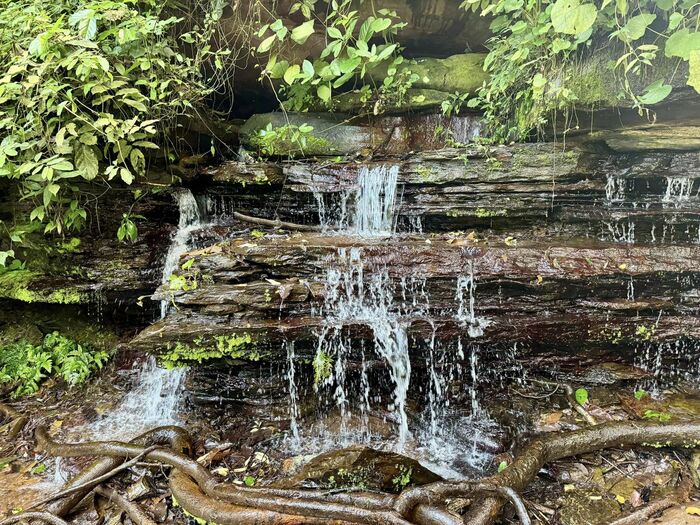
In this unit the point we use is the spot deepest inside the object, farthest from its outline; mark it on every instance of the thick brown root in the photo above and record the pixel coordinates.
(17, 420)
(551, 447)
(291, 507)
(135, 513)
(202, 495)
(26, 517)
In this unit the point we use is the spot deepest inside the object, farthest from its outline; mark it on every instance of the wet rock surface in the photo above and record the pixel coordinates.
(362, 467)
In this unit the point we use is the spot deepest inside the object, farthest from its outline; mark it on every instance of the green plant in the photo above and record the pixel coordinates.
(271, 140)
(663, 417)
(350, 53)
(232, 346)
(24, 366)
(581, 396)
(323, 368)
(402, 480)
(640, 394)
(537, 44)
(87, 88)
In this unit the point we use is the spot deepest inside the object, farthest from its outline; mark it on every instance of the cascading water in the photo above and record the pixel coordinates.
(351, 299)
(615, 189)
(466, 300)
(367, 210)
(375, 200)
(190, 219)
(152, 402)
(293, 395)
(678, 190)
(156, 395)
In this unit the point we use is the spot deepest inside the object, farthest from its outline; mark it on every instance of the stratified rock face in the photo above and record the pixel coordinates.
(532, 244)
(527, 189)
(95, 269)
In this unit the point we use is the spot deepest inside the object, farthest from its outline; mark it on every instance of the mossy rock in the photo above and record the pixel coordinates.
(462, 73)
(332, 134)
(25, 286)
(416, 99)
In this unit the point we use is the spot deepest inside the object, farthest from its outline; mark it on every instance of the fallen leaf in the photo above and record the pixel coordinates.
(693, 510)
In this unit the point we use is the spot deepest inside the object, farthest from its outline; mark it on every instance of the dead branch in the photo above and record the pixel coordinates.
(276, 223)
(570, 397)
(135, 513)
(46, 517)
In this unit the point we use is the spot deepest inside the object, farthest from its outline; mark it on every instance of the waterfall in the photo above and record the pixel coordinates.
(152, 402)
(369, 209)
(466, 301)
(353, 298)
(375, 200)
(156, 395)
(678, 190)
(190, 219)
(615, 189)
(293, 395)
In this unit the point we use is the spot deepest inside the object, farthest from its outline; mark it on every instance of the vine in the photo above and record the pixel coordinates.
(534, 54)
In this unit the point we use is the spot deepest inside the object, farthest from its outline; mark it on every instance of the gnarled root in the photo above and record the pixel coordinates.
(17, 420)
(202, 495)
(275, 506)
(26, 517)
(551, 447)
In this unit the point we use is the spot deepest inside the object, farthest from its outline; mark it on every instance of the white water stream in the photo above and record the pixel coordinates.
(190, 220)
(156, 393)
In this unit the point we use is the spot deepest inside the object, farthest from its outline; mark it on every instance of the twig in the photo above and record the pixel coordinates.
(578, 407)
(643, 514)
(275, 223)
(544, 396)
(94, 482)
(42, 516)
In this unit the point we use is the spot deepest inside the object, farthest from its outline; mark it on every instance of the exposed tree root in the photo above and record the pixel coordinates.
(135, 513)
(87, 485)
(17, 421)
(551, 447)
(26, 517)
(275, 223)
(202, 495)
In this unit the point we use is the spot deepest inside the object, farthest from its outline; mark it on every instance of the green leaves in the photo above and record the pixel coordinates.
(291, 74)
(86, 161)
(655, 93)
(301, 33)
(127, 229)
(4, 255)
(83, 103)
(324, 93)
(682, 43)
(635, 27)
(571, 17)
(581, 396)
(694, 70)
(350, 53)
